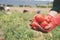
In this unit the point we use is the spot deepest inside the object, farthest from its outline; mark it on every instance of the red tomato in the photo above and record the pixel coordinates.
(43, 24)
(39, 18)
(34, 24)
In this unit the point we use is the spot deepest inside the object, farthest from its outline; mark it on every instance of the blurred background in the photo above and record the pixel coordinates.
(15, 16)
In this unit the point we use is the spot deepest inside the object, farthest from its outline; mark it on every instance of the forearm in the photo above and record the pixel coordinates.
(55, 20)
(56, 6)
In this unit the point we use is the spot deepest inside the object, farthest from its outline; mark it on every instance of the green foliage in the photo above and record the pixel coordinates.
(25, 6)
(10, 5)
(20, 5)
(56, 33)
(43, 6)
(16, 27)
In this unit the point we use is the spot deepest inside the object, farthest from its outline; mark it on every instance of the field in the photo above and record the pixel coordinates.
(15, 26)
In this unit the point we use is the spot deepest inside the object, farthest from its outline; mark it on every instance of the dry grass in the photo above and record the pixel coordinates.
(16, 25)
(33, 9)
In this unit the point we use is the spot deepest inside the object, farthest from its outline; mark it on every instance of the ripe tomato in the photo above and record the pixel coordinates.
(39, 18)
(43, 24)
(34, 24)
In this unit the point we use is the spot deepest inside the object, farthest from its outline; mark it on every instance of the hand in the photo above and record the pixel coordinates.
(37, 27)
(55, 20)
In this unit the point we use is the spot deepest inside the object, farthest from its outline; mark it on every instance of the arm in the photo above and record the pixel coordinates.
(55, 20)
(54, 16)
(56, 6)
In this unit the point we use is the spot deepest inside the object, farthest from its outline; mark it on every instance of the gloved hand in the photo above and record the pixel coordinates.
(35, 26)
(54, 20)
(36, 21)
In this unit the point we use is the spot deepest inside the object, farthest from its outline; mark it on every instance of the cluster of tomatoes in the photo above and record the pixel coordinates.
(39, 19)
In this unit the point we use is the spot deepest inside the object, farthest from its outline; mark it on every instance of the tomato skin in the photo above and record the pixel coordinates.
(34, 25)
(43, 24)
(39, 18)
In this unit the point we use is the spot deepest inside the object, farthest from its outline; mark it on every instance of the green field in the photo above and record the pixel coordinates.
(15, 26)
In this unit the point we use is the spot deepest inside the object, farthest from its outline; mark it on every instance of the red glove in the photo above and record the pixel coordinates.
(54, 21)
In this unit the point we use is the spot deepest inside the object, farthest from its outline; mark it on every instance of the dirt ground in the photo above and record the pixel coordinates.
(33, 9)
